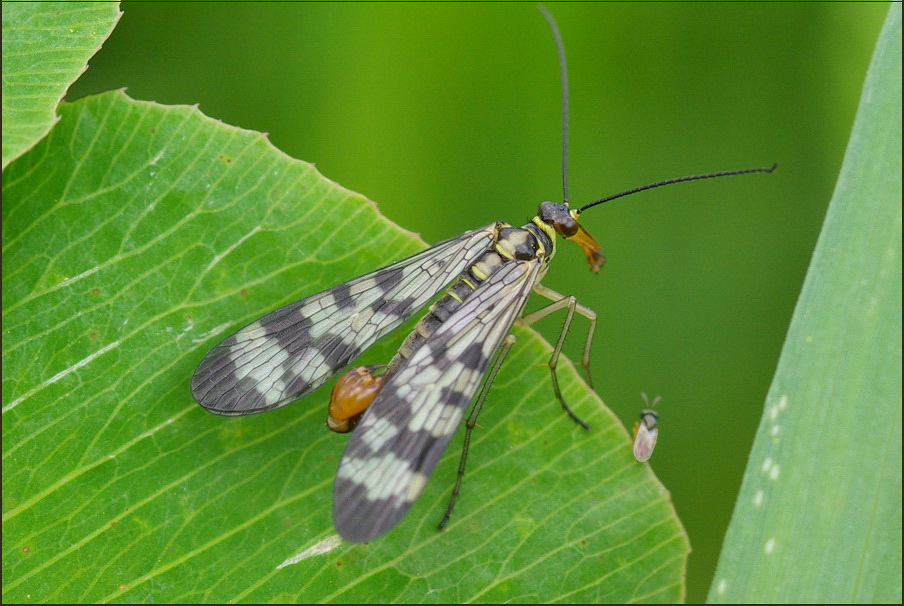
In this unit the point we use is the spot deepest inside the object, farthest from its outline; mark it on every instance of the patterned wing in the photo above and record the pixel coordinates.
(295, 349)
(405, 431)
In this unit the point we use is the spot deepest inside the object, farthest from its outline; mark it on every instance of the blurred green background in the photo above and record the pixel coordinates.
(448, 116)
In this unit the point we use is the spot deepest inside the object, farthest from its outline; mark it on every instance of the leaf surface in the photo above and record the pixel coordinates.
(136, 236)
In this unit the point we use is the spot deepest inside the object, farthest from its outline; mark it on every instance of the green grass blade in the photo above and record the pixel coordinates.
(818, 518)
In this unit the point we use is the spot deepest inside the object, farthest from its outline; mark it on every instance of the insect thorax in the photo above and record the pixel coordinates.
(649, 419)
(513, 244)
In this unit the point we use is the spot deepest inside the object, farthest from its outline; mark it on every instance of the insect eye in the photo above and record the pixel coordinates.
(567, 226)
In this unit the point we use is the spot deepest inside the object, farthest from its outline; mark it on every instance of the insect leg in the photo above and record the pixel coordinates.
(472, 422)
(570, 303)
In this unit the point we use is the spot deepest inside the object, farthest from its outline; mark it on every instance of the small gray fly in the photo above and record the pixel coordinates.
(646, 431)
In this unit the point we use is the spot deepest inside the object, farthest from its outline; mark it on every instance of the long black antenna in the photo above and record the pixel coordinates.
(564, 71)
(678, 180)
(563, 68)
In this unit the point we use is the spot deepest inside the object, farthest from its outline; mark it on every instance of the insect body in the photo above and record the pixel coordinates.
(293, 350)
(646, 431)
(532, 245)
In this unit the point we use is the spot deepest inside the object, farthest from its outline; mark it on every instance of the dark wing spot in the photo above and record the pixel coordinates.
(389, 279)
(342, 294)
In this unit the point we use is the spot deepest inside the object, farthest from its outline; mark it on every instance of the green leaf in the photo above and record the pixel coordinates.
(46, 46)
(136, 236)
(818, 519)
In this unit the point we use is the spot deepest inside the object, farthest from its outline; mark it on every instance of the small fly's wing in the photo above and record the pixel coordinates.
(645, 435)
(295, 349)
(403, 434)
